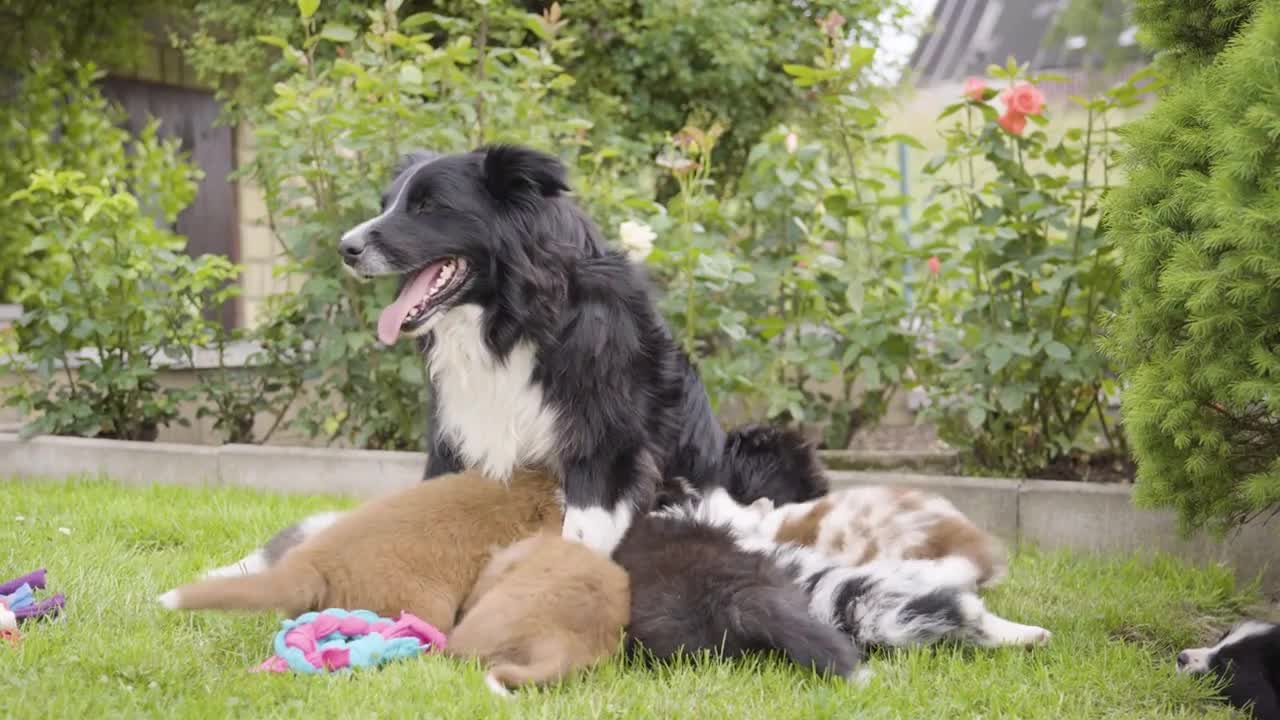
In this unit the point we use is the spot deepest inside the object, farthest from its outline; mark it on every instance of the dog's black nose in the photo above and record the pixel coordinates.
(351, 247)
(1183, 659)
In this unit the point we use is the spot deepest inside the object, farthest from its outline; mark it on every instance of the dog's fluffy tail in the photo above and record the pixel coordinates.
(780, 620)
(777, 463)
(290, 586)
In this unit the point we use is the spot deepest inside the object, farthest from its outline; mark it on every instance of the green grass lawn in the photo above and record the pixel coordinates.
(111, 549)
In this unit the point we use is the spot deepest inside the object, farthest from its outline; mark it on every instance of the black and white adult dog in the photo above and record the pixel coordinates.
(543, 345)
(1246, 660)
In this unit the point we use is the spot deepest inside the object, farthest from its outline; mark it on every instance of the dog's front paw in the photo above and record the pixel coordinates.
(596, 527)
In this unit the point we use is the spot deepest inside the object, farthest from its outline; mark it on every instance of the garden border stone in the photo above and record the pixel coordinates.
(1046, 513)
(134, 463)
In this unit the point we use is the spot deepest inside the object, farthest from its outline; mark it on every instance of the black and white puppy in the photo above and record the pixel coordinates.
(693, 591)
(1246, 660)
(543, 346)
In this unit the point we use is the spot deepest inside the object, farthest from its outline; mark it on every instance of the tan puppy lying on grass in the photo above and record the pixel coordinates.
(535, 611)
(417, 550)
(542, 609)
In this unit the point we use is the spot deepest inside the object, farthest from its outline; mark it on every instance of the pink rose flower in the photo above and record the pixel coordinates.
(974, 88)
(1024, 99)
(831, 23)
(935, 265)
(1013, 122)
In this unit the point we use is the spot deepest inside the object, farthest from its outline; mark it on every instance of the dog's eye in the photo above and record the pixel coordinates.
(421, 203)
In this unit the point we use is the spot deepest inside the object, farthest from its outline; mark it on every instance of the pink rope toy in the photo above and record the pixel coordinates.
(336, 640)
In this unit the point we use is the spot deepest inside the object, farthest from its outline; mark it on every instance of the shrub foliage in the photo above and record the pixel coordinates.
(1197, 334)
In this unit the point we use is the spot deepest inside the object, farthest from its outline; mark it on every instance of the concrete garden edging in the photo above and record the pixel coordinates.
(1049, 514)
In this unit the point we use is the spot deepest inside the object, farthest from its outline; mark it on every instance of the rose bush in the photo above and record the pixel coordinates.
(1024, 270)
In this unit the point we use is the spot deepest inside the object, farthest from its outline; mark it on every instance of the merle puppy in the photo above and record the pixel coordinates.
(543, 345)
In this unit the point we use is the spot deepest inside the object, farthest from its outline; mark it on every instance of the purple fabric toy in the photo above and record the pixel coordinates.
(19, 597)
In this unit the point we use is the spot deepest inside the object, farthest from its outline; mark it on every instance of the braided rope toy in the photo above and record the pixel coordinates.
(336, 640)
(18, 602)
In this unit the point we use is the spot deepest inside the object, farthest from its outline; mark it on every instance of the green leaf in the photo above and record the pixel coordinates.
(416, 20)
(1057, 351)
(860, 57)
(905, 139)
(870, 372)
(410, 75)
(411, 370)
(58, 322)
(338, 33)
(975, 416)
(799, 71)
(307, 8)
(998, 356)
(1011, 397)
(274, 40)
(91, 210)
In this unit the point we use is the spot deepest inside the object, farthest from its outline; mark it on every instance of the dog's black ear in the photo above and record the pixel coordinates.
(512, 171)
(414, 157)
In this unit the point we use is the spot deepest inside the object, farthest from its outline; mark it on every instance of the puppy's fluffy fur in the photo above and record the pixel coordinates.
(891, 601)
(898, 603)
(859, 525)
(542, 608)
(693, 590)
(417, 550)
(763, 461)
(1246, 660)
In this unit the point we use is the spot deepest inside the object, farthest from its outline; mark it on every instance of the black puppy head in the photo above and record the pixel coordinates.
(442, 223)
(1244, 638)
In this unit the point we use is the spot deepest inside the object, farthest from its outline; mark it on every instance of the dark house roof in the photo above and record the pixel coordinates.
(965, 36)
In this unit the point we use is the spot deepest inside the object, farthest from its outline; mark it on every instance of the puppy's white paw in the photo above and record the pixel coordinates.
(496, 687)
(1036, 636)
(1003, 633)
(862, 676)
(170, 600)
(597, 528)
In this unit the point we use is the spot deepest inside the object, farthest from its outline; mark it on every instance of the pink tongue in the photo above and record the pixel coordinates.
(393, 315)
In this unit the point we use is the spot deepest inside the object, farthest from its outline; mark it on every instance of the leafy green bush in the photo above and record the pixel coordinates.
(655, 66)
(1022, 270)
(57, 120)
(325, 147)
(110, 297)
(1197, 330)
(790, 291)
(824, 213)
(112, 292)
(644, 69)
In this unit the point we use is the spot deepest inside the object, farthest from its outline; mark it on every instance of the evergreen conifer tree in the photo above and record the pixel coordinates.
(1197, 338)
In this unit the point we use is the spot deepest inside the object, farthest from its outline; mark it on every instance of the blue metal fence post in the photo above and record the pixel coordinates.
(904, 186)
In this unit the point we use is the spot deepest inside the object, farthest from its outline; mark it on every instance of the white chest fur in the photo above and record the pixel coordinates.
(491, 411)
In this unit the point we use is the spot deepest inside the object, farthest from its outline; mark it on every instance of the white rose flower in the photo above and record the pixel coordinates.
(792, 141)
(637, 239)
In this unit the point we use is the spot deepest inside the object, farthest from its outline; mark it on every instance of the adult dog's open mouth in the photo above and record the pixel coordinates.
(424, 294)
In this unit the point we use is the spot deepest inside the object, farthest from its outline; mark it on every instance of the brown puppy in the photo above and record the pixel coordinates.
(417, 550)
(543, 608)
